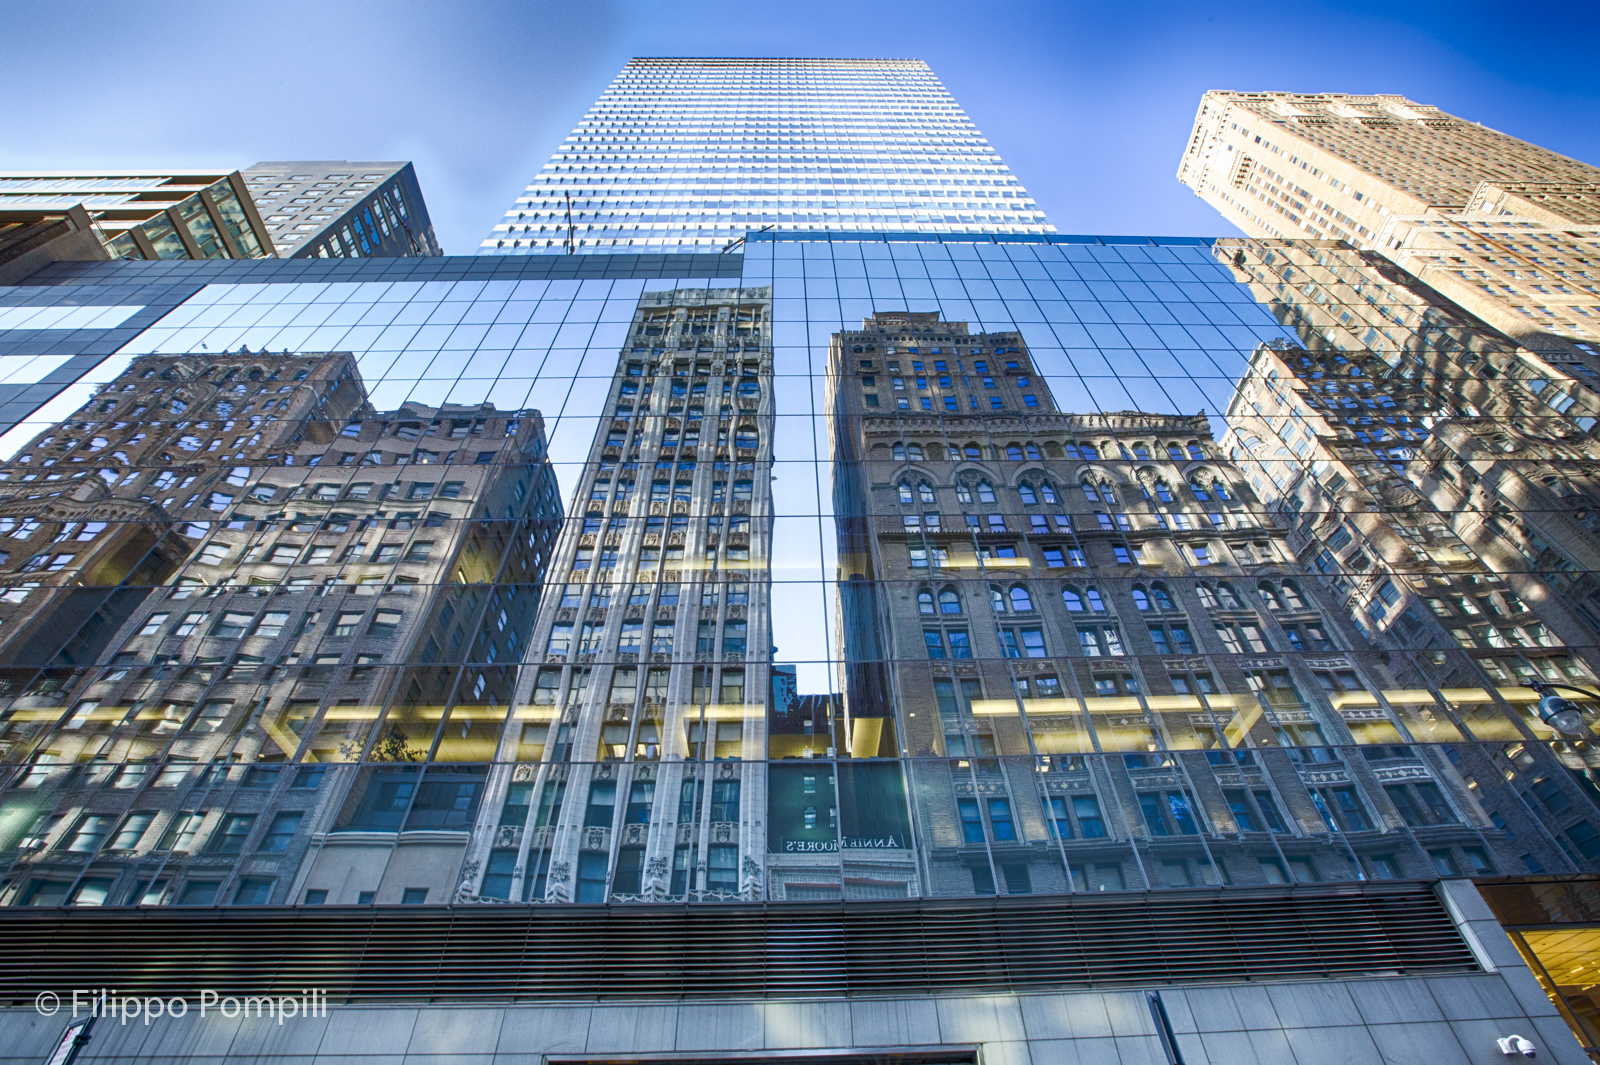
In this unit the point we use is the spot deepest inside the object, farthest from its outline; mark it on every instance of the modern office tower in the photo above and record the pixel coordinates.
(470, 829)
(1337, 166)
(338, 209)
(252, 568)
(686, 153)
(635, 765)
(143, 214)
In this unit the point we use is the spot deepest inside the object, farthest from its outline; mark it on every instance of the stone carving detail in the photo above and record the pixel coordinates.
(655, 878)
(750, 879)
(557, 888)
(466, 886)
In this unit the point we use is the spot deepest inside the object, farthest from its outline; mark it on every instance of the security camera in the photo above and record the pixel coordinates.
(1515, 1044)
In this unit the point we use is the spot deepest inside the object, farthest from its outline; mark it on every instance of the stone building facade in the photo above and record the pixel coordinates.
(634, 764)
(174, 654)
(1441, 499)
(1084, 630)
(1337, 166)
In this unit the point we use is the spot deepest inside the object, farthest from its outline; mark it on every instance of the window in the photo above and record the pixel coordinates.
(345, 624)
(384, 623)
(281, 832)
(971, 820)
(132, 831)
(89, 833)
(230, 837)
(1087, 810)
(949, 602)
(1000, 820)
(189, 625)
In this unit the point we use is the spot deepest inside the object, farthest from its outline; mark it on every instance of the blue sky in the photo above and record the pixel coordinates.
(1090, 103)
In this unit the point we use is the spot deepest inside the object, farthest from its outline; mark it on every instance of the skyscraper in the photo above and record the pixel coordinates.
(1502, 227)
(930, 671)
(342, 209)
(698, 152)
(1334, 165)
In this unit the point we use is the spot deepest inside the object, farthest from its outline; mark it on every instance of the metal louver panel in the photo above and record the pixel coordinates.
(511, 953)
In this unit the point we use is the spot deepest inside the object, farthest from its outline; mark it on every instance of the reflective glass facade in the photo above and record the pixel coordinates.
(888, 568)
(679, 153)
(146, 214)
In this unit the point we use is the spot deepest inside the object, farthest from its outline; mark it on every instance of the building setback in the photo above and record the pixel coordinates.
(339, 209)
(698, 152)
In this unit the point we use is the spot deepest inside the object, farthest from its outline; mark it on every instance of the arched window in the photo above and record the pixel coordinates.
(1090, 452)
(1220, 487)
(914, 451)
(1089, 493)
(1073, 452)
(1229, 598)
(985, 492)
(925, 491)
(899, 452)
(1199, 491)
(1071, 597)
(1291, 597)
(1107, 493)
(1174, 452)
(1048, 492)
(1195, 452)
(1032, 450)
(1140, 599)
(1208, 598)
(1268, 596)
(997, 599)
(1141, 452)
(1020, 599)
(905, 492)
(1162, 597)
(1095, 602)
(1014, 452)
(972, 451)
(949, 602)
(963, 493)
(1163, 493)
(1027, 494)
(924, 602)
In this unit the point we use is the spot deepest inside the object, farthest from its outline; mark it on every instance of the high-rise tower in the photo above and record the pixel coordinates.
(1504, 228)
(686, 152)
(1333, 165)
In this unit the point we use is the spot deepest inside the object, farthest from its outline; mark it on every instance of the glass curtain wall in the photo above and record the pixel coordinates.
(893, 568)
